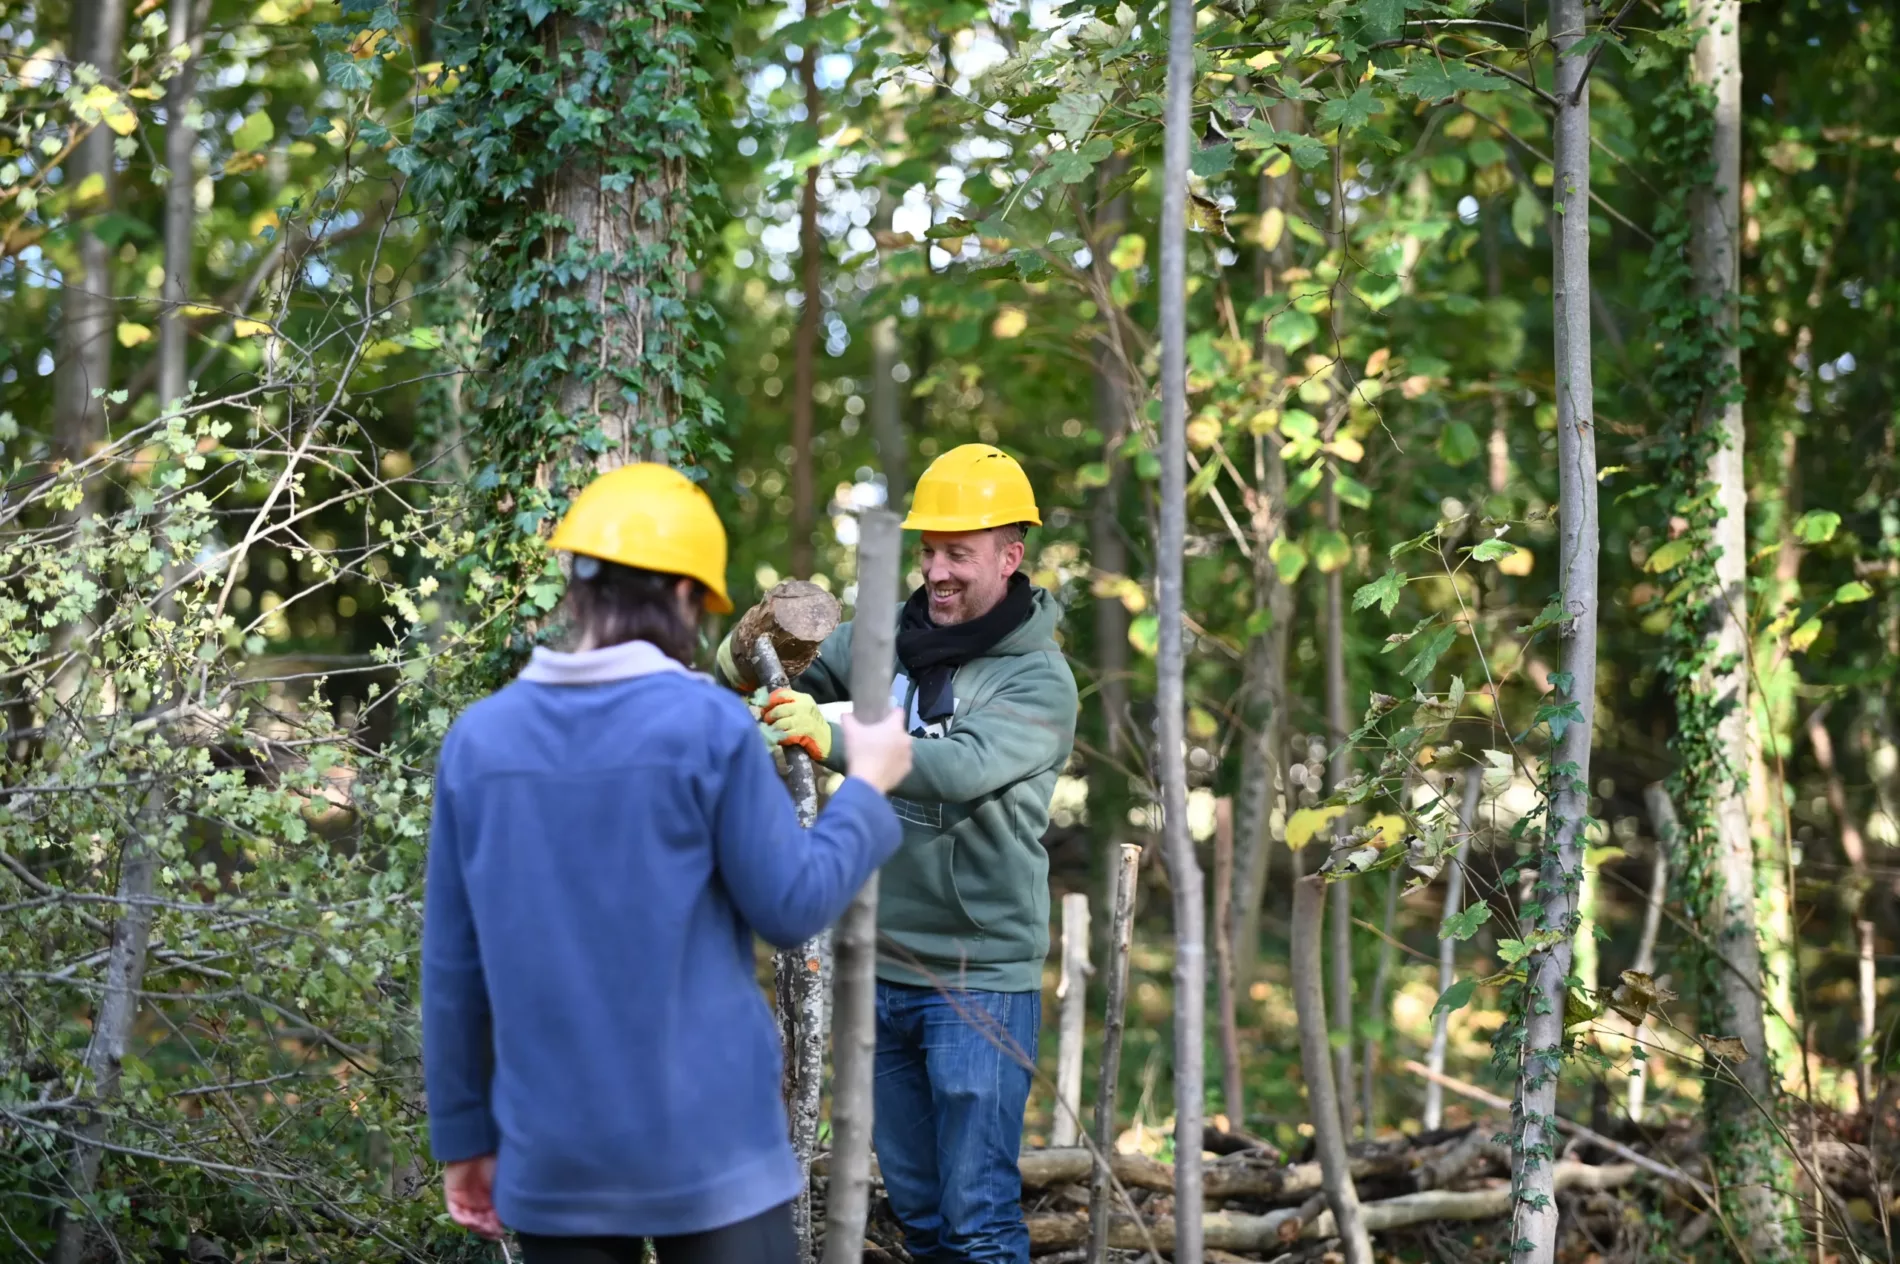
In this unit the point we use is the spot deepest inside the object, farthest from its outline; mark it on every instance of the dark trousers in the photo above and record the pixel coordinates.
(767, 1238)
(953, 1073)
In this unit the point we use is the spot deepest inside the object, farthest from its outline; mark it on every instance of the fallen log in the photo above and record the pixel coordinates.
(1226, 1180)
(1256, 1234)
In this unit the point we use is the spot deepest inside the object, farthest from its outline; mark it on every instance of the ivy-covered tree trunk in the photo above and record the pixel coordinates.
(1740, 1088)
(575, 149)
(1570, 711)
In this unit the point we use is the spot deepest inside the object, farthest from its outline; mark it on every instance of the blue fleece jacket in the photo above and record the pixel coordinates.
(609, 833)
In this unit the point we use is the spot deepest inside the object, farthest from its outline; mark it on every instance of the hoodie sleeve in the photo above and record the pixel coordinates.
(790, 883)
(1027, 725)
(457, 1052)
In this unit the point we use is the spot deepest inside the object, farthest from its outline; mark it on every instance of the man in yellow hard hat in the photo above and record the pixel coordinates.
(964, 905)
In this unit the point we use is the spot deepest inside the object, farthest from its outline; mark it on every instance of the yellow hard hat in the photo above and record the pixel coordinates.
(652, 517)
(972, 488)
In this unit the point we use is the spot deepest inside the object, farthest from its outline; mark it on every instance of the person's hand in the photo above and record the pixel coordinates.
(727, 668)
(878, 753)
(468, 1188)
(798, 722)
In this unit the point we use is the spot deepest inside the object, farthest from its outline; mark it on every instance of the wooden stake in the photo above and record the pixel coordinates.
(1127, 873)
(854, 1033)
(1073, 992)
(1316, 1063)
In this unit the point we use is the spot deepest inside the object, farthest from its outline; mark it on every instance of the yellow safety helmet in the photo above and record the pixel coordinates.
(652, 517)
(972, 488)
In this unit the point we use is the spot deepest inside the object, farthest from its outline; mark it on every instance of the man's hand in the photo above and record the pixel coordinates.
(797, 720)
(468, 1188)
(727, 669)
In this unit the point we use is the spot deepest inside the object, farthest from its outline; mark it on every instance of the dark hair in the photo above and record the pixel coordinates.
(618, 603)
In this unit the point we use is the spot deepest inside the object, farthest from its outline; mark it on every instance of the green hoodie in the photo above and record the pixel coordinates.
(966, 900)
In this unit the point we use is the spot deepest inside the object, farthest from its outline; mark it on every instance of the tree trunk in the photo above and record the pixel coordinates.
(1329, 1133)
(1742, 1145)
(1263, 684)
(805, 342)
(1339, 896)
(1434, 1116)
(1560, 860)
(1184, 870)
(1233, 1077)
(1072, 991)
(1114, 1018)
(113, 1019)
(1662, 820)
(1380, 1016)
(887, 397)
(854, 1010)
(1854, 898)
(187, 27)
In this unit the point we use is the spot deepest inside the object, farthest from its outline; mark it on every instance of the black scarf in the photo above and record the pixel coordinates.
(931, 655)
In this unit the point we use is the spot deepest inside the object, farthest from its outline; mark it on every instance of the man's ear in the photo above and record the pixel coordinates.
(1012, 558)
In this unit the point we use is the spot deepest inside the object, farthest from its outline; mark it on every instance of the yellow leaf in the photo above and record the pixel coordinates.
(848, 136)
(1376, 362)
(1387, 829)
(1263, 59)
(1519, 562)
(90, 189)
(197, 309)
(1270, 228)
(131, 335)
(1805, 635)
(1347, 448)
(1305, 824)
(1266, 421)
(146, 94)
(120, 119)
(1009, 323)
(246, 328)
(1203, 432)
(263, 220)
(365, 43)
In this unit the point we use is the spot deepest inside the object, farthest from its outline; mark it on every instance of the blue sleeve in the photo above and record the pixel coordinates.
(457, 1052)
(790, 883)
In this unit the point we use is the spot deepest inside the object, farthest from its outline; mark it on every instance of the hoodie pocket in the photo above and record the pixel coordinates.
(918, 891)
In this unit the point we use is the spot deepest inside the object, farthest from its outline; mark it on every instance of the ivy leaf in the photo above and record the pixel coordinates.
(1670, 555)
(1349, 114)
(1463, 925)
(347, 73)
(1817, 526)
(1384, 590)
(1492, 550)
(1214, 161)
(1429, 652)
(1458, 995)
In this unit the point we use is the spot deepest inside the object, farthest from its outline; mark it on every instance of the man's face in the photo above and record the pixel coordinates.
(967, 572)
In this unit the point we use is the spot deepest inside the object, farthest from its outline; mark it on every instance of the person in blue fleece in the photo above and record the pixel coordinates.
(609, 834)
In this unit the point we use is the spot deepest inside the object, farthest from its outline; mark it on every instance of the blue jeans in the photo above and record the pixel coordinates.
(953, 1076)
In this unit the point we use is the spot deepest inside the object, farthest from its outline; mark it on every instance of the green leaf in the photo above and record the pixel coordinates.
(1492, 550)
(1291, 329)
(1485, 152)
(1307, 152)
(1804, 636)
(1214, 161)
(1074, 113)
(1852, 591)
(1526, 214)
(1349, 114)
(1306, 484)
(1288, 557)
(1352, 491)
(1094, 474)
(1817, 526)
(1432, 81)
(1671, 554)
(1512, 951)
(1070, 166)
(1144, 633)
(1331, 549)
(1385, 16)
(1429, 652)
(1198, 485)
(1458, 444)
(1463, 925)
(1459, 994)
(254, 132)
(1384, 590)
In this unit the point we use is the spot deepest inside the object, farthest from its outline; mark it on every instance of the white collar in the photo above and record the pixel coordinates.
(624, 661)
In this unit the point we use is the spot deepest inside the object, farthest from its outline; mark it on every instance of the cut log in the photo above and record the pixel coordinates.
(1073, 992)
(798, 616)
(1227, 1180)
(1251, 1234)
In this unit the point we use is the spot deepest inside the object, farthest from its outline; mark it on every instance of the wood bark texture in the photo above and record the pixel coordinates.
(1121, 935)
(805, 339)
(796, 616)
(854, 1011)
(799, 974)
(1316, 1064)
(887, 396)
(1534, 1233)
(1072, 993)
(1184, 869)
(1376, 1010)
(1662, 820)
(187, 25)
(1433, 1116)
(1232, 1072)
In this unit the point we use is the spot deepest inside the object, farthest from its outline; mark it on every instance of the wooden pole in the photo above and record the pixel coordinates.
(800, 975)
(1072, 990)
(854, 1010)
(1316, 1063)
(1184, 869)
(1232, 1079)
(1122, 924)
